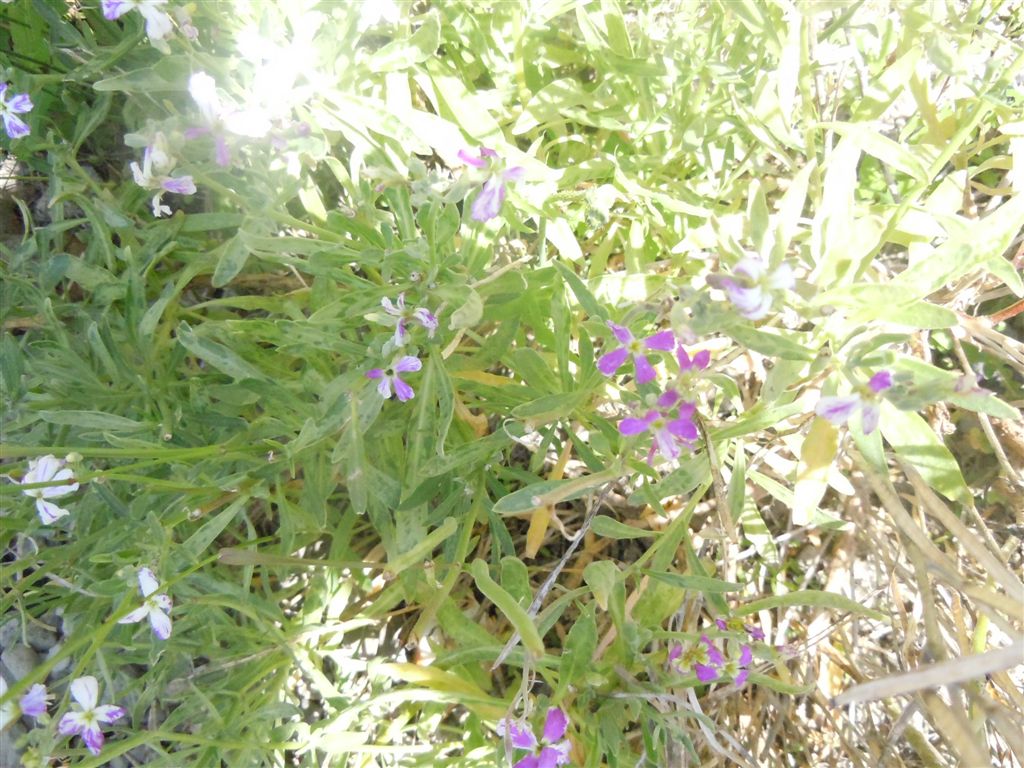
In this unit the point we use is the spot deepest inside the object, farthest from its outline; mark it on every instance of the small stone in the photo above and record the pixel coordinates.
(10, 632)
(63, 666)
(18, 661)
(40, 636)
(9, 754)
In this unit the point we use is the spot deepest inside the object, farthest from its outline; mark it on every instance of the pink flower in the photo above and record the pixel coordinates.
(666, 431)
(553, 747)
(421, 315)
(403, 390)
(156, 607)
(90, 715)
(610, 362)
(838, 410)
(489, 200)
(703, 658)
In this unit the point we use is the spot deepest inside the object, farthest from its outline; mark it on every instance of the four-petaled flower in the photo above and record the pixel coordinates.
(152, 175)
(488, 201)
(18, 104)
(158, 24)
(666, 431)
(402, 390)
(751, 286)
(553, 746)
(86, 721)
(48, 469)
(157, 607)
(217, 118)
(838, 410)
(34, 702)
(610, 362)
(703, 658)
(398, 310)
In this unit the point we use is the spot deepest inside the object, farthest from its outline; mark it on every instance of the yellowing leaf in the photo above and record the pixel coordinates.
(816, 455)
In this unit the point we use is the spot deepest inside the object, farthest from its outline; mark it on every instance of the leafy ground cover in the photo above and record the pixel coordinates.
(531, 384)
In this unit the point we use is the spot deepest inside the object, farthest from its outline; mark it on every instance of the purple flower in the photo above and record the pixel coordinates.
(34, 702)
(488, 201)
(86, 721)
(158, 24)
(156, 607)
(19, 104)
(610, 362)
(553, 746)
(156, 162)
(421, 315)
(736, 669)
(666, 431)
(48, 469)
(737, 625)
(402, 390)
(838, 410)
(697, 363)
(751, 286)
(703, 658)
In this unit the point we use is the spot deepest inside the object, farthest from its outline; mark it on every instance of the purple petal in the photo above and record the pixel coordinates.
(880, 381)
(161, 624)
(622, 333)
(403, 390)
(520, 737)
(33, 703)
(553, 756)
(515, 173)
(741, 678)
(93, 738)
(384, 387)
(668, 399)
(488, 201)
(701, 359)
(704, 673)
(684, 429)
(686, 410)
(375, 373)
(485, 152)
(109, 713)
(837, 410)
(750, 268)
(181, 185)
(221, 153)
(869, 417)
(644, 370)
(752, 303)
(407, 364)
(112, 9)
(611, 362)
(664, 341)
(756, 633)
(634, 426)
(530, 761)
(675, 652)
(746, 656)
(666, 444)
(468, 159)
(555, 725)
(20, 103)
(195, 132)
(70, 724)
(720, 623)
(714, 655)
(427, 319)
(15, 126)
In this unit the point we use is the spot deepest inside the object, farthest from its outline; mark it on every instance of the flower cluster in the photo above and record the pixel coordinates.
(18, 104)
(709, 664)
(549, 751)
(399, 315)
(487, 204)
(669, 417)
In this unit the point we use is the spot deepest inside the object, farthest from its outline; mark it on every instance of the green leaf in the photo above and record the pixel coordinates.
(107, 422)
(602, 576)
(577, 656)
(913, 439)
(504, 602)
(469, 314)
(611, 528)
(402, 54)
(217, 355)
(705, 584)
(234, 253)
(812, 598)
(550, 492)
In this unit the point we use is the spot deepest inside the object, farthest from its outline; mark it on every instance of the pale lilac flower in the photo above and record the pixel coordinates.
(86, 721)
(667, 432)
(751, 287)
(838, 410)
(553, 746)
(18, 104)
(398, 310)
(402, 390)
(218, 118)
(158, 24)
(153, 175)
(157, 607)
(48, 469)
(34, 702)
(610, 362)
(492, 194)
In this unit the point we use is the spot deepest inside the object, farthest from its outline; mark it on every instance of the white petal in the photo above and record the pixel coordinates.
(49, 512)
(135, 616)
(203, 90)
(147, 582)
(163, 602)
(86, 691)
(161, 624)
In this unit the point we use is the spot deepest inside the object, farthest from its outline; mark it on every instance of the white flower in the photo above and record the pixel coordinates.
(85, 691)
(48, 469)
(156, 607)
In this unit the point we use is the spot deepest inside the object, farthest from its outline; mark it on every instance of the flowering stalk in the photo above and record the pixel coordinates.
(551, 750)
